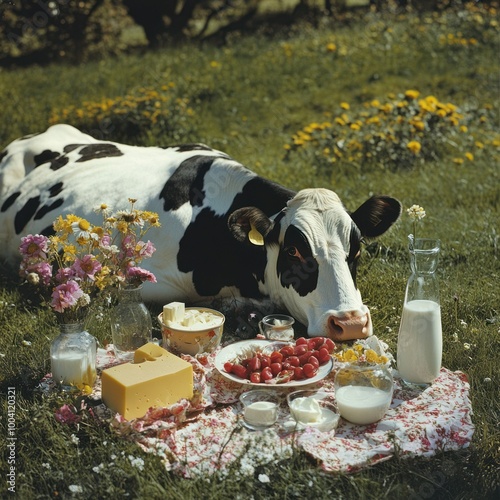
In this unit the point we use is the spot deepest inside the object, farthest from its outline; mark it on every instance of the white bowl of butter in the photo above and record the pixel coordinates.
(311, 408)
(190, 330)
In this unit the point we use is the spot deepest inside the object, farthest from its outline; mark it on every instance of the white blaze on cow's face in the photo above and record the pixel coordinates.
(312, 269)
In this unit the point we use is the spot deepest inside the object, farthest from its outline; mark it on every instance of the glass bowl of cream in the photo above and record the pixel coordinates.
(260, 409)
(311, 408)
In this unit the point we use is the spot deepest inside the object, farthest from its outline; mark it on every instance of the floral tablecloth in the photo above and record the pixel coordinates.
(205, 435)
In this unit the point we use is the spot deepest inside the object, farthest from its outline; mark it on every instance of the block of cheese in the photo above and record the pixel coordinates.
(156, 378)
(174, 312)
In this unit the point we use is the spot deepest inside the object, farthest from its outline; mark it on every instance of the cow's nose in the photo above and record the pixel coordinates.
(350, 326)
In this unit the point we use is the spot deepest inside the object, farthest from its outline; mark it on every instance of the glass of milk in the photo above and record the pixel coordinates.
(277, 327)
(363, 392)
(420, 343)
(260, 409)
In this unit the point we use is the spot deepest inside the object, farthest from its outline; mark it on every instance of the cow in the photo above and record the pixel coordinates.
(225, 231)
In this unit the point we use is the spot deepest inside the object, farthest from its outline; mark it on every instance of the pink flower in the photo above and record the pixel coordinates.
(139, 274)
(145, 249)
(64, 274)
(106, 241)
(86, 267)
(34, 246)
(67, 415)
(42, 269)
(66, 295)
(128, 245)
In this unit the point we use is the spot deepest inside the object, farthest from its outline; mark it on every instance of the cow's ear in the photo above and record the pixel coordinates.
(376, 215)
(250, 225)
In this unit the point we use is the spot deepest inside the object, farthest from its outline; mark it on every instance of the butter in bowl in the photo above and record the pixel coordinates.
(310, 408)
(190, 330)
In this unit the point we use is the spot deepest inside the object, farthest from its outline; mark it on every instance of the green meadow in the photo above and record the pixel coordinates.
(399, 104)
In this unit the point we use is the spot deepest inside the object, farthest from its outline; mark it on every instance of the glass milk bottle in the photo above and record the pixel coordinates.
(73, 357)
(420, 342)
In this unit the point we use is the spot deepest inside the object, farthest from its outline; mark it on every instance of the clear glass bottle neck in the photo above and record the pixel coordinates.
(424, 255)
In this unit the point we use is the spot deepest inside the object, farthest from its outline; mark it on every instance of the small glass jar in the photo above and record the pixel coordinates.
(363, 392)
(277, 327)
(73, 357)
(131, 324)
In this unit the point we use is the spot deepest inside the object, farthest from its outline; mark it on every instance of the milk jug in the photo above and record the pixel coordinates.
(420, 342)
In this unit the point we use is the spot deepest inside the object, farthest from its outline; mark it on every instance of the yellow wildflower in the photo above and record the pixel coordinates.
(469, 156)
(345, 105)
(331, 47)
(414, 147)
(412, 94)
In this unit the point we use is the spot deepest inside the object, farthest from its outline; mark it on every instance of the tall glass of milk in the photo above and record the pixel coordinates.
(420, 342)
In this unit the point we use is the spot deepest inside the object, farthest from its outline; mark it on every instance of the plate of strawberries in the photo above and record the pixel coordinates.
(266, 363)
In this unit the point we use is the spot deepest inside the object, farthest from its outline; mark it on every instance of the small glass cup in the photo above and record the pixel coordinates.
(312, 408)
(277, 327)
(260, 409)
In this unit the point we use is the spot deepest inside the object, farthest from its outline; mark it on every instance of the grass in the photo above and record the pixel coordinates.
(249, 98)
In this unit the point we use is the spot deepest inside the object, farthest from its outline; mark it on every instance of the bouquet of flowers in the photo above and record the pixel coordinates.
(82, 260)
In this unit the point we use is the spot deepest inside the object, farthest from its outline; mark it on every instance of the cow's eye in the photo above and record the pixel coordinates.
(293, 252)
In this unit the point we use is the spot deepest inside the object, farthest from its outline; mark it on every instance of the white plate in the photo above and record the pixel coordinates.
(232, 351)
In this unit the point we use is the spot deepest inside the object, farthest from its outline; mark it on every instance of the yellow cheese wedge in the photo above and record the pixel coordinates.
(157, 378)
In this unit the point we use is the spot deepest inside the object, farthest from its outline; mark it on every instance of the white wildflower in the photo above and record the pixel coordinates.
(75, 488)
(46, 465)
(416, 212)
(136, 462)
(26, 343)
(466, 346)
(98, 468)
(74, 439)
(264, 478)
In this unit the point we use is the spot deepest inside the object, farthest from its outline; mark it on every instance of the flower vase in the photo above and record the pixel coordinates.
(131, 324)
(420, 343)
(73, 357)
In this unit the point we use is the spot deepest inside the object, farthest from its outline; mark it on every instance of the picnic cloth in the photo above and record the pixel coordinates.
(205, 435)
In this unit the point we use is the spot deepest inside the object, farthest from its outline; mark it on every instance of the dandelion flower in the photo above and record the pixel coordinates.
(414, 147)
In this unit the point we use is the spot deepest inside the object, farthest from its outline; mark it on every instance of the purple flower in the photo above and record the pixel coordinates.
(139, 274)
(86, 267)
(66, 295)
(34, 246)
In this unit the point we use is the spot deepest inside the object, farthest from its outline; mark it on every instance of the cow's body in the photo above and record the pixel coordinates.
(201, 195)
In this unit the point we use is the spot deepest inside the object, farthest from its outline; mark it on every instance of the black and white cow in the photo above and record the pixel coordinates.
(208, 205)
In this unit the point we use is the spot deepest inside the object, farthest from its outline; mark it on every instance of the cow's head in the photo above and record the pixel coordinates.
(312, 247)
